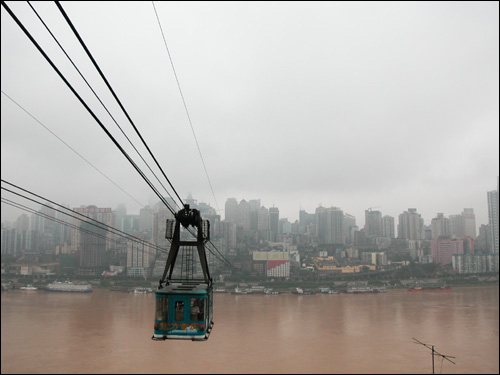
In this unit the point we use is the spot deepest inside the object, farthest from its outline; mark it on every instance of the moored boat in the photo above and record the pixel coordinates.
(238, 290)
(29, 287)
(271, 291)
(302, 291)
(142, 290)
(429, 287)
(68, 286)
(362, 288)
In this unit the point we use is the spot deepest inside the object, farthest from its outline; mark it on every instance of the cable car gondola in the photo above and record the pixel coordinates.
(184, 305)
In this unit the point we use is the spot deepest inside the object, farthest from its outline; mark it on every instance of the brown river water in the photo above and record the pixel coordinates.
(110, 332)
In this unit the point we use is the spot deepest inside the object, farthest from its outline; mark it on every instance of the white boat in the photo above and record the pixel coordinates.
(141, 290)
(302, 291)
(271, 291)
(238, 290)
(29, 287)
(68, 286)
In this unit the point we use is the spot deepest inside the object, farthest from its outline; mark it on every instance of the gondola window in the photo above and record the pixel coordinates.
(162, 309)
(179, 310)
(197, 309)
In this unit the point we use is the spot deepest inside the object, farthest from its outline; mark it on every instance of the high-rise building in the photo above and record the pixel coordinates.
(160, 226)
(440, 226)
(347, 228)
(388, 227)
(306, 222)
(469, 223)
(146, 219)
(140, 256)
(456, 226)
(411, 225)
(263, 223)
(493, 219)
(231, 209)
(91, 241)
(243, 218)
(330, 225)
(274, 223)
(373, 223)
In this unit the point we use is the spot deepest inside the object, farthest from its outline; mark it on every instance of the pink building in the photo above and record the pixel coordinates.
(443, 248)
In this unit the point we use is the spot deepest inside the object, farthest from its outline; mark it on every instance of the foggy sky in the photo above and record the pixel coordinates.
(391, 105)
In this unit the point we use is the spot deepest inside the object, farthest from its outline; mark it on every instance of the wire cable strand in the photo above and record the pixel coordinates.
(185, 107)
(30, 37)
(98, 98)
(113, 93)
(72, 149)
(99, 224)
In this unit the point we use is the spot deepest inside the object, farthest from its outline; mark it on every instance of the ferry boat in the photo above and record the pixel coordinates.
(257, 289)
(327, 291)
(302, 291)
(141, 290)
(220, 290)
(29, 287)
(68, 286)
(429, 287)
(238, 290)
(360, 289)
(271, 291)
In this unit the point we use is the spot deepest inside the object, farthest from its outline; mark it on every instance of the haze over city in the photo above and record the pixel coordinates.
(298, 104)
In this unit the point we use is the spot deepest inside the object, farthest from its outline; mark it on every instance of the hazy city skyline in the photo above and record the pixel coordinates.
(346, 104)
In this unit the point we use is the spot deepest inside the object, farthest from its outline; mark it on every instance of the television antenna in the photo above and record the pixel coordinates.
(434, 353)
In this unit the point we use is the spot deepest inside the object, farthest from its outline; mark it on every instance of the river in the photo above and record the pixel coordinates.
(110, 332)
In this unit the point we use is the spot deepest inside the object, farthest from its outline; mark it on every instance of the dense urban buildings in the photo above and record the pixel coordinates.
(254, 238)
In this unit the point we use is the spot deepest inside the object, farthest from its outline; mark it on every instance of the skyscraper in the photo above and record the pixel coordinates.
(91, 241)
(274, 221)
(469, 223)
(493, 218)
(388, 227)
(231, 209)
(330, 225)
(410, 225)
(440, 226)
(373, 223)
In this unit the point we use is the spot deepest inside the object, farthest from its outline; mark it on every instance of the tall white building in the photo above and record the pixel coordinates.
(440, 226)
(493, 218)
(411, 225)
(330, 225)
(469, 223)
(373, 223)
(388, 227)
(231, 210)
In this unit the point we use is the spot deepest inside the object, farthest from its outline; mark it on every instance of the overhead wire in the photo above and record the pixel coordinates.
(190, 122)
(59, 221)
(72, 149)
(70, 23)
(95, 94)
(114, 94)
(93, 114)
(40, 49)
(79, 228)
(72, 213)
(185, 105)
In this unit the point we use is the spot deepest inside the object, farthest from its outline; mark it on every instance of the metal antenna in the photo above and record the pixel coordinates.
(434, 353)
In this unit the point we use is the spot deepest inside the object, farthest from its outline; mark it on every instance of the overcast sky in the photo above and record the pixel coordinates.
(391, 105)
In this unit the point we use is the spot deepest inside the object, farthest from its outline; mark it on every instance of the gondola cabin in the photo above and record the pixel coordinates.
(184, 311)
(184, 305)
